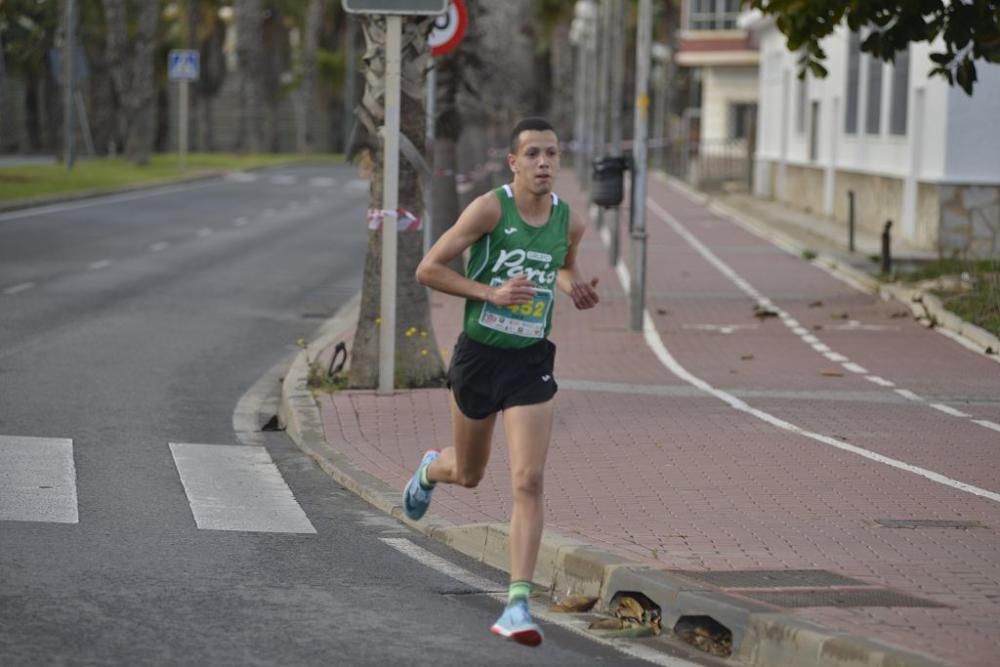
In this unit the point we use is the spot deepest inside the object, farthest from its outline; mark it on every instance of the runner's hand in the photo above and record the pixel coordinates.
(584, 294)
(517, 290)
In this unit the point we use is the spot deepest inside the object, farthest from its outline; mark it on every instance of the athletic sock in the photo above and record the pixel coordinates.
(424, 482)
(519, 590)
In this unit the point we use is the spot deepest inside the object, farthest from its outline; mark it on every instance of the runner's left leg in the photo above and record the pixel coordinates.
(528, 429)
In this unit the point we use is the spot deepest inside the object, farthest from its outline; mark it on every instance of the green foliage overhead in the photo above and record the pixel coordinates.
(970, 30)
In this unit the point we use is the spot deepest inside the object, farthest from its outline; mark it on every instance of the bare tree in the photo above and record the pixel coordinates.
(307, 91)
(418, 360)
(131, 66)
(249, 51)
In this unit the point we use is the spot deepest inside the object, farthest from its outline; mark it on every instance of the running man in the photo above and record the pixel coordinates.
(523, 244)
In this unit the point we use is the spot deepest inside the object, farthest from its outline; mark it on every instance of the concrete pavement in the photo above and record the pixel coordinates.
(796, 458)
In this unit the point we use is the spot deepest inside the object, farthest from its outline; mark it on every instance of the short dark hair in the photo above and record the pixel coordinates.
(536, 123)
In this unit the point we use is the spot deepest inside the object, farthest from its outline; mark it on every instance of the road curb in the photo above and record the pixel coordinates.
(926, 307)
(762, 637)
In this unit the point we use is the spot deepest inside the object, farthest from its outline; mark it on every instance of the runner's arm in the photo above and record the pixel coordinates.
(570, 281)
(478, 219)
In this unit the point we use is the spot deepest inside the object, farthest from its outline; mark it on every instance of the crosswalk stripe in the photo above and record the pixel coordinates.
(37, 480)
(239, 488)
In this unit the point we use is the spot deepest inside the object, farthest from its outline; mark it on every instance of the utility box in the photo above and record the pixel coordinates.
(607, 187)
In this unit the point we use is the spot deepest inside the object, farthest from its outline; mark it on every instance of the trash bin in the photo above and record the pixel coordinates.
(607, 186)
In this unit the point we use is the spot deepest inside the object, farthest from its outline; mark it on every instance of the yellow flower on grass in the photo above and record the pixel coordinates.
(423, 353)
(378, 320)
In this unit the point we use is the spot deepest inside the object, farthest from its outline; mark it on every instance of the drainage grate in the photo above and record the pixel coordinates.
(927, 523)
(872, 597)
(771, 578)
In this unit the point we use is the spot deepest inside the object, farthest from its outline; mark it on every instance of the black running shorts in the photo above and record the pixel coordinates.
(486, 379)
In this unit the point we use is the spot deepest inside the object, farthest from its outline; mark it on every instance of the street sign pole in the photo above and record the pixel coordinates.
(68, 52)
(182, 123)
(390, 202)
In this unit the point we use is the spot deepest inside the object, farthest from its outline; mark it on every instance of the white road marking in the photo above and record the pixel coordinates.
(241, 177)
(906, 393)
(809, 338)
(721, 328)
(880, 381)
(283, 179)
(159, 246)
(987, 424)
(99, 264)
(854, 368)
(20, 287)
(949, 410)
(232, 487)
(565, 621)
(205, 232)
(820, 347)
(835, 356)
(321, 181)
(37, 480)
(443, 566)
(656, 344)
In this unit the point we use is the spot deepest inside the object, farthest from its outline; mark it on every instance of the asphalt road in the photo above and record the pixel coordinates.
(131, 322)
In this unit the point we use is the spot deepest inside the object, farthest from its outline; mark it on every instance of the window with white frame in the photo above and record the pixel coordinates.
(873, 114)
(712, 14)
(853, 81)
(900, 92)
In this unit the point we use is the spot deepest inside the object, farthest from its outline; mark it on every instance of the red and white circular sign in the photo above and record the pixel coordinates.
(449, 29)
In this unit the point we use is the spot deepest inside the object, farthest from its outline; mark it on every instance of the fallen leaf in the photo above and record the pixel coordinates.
(574, 604)
(746, 357)
(839, 316)
(662, 311)
(606, 624)
(832, 374)
(817, 327)
(816, 304)
(762, 313)
(900, 313)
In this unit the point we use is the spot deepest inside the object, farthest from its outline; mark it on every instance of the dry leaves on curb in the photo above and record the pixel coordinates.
(630, 617)
(831, 374)
(574, 604)
(705, 634)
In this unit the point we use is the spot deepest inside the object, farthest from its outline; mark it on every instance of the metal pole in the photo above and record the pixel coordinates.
(429, 152)
(182, 123)
(850, 220)
(617, 85)
(69, 46)
(350, 76)
(390, 202)
(643, 49)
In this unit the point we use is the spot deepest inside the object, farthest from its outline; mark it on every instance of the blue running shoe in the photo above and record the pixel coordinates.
(416, 499)
(515, 623)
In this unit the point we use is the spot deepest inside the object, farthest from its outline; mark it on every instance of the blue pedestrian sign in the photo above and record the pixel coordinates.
(183, 65)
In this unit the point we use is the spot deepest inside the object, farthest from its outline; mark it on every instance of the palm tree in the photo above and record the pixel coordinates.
(418, 360)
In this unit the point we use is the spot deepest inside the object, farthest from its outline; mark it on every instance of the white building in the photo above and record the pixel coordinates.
(913, 149)
(724, 66)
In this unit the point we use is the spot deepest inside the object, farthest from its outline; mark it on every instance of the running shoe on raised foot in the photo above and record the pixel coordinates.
(416, 498)
(515, 624)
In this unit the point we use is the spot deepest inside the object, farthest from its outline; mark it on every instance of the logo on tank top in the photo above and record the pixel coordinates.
(512, 262)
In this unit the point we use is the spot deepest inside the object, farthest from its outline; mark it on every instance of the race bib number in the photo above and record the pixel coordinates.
(523, 319)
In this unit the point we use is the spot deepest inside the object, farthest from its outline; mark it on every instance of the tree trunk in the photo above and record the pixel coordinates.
(248, 51)
(418, 359)
(310, 44)
(131, 71)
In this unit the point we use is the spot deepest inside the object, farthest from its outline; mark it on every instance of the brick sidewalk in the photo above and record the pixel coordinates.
(646, 465)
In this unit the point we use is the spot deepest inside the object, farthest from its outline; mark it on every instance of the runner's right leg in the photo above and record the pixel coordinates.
(465, 462)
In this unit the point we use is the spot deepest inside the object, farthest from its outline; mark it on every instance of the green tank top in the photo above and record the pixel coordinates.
(515, 247)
